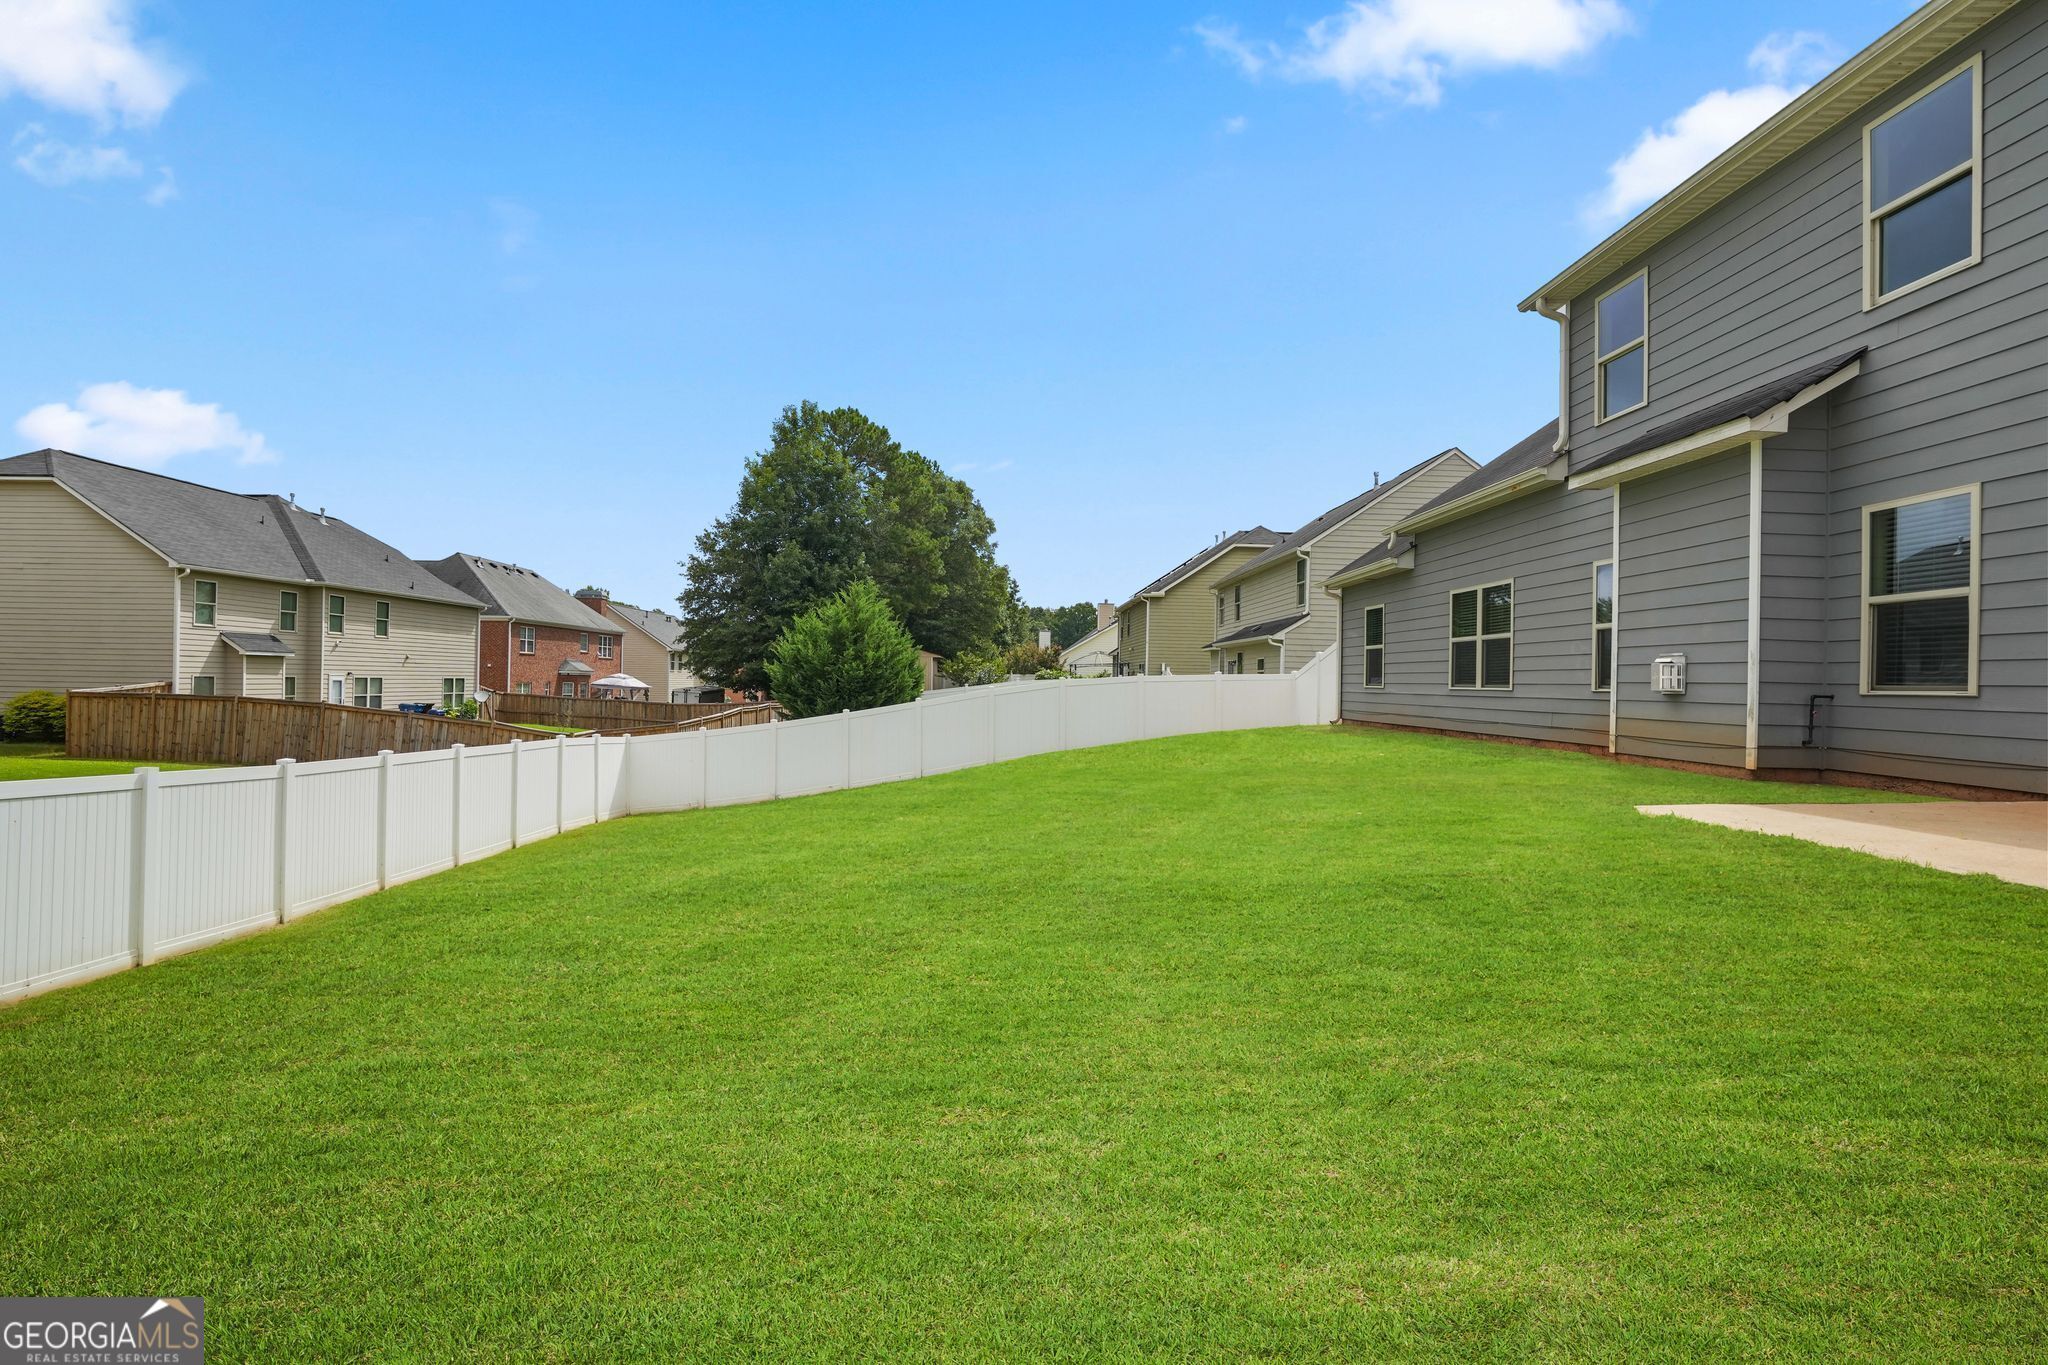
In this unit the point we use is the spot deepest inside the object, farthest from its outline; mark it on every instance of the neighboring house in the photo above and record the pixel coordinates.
(653, 645)
(1094, 653)
(1810, 386)
(111, 575)
(1271, 613)
(1167, 625)
(534, 639)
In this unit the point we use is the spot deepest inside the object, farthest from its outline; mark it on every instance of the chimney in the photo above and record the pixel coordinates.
(1045, 639)
(1104, 613)
(594, 598)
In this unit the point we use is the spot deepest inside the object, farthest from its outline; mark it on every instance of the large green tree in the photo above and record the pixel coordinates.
(842, 499)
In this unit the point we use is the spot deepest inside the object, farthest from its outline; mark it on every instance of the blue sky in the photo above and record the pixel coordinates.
(533, 280)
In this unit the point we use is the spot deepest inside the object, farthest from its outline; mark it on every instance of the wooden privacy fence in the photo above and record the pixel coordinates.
(172, 728)
(102, 873)
(597, 713)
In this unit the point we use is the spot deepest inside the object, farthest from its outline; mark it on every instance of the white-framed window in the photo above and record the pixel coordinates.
(454, 692)
(1300, 582)
(675, 661)
(583, 642)
(1920, 594)
(1621, 347)
(291, 688)
(1373, 668)
(205, 596)
(1219, 609)
(1237, 603)
(202, 686)
(370, 692)
(1262, 665)
(383, 626)
(287, 610)
(1923, 190)
(334, 613)
(604, 646)
(524, 689)
(1603, 625)
(1483, 636)
(526, 640)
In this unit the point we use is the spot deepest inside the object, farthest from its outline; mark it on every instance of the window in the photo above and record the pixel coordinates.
(202, 686)
(204, 596)
(583, 642)
(1374, 670)
(1262, 665)
(370, 692)
(1219, 609)
(524, 689)
(1237, 603)
(604, 646)
(287, 610)
(383, 626)
(1483, 636)
(291, 688)
(334, 607)
(1240, 663)
(675, 661)
(454, 692)
(1922, 201)
(1920, 594)
(1603, 625)
(526, 639)
(1621, 341)
(1300, 582)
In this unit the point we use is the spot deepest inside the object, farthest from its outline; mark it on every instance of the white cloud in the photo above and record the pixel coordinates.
(1663, 156)
(164, 190)
(514, 224)
(51, 161)
(1236, 123)
(1405, 49)
(82, 56)
(146, 427)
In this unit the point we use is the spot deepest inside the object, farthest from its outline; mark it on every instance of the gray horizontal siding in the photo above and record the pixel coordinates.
(1547, 543)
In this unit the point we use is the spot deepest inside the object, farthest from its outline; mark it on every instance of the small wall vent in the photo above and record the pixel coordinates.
(1670, 674)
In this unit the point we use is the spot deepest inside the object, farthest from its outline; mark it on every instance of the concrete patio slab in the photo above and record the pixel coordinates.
(2007, 839)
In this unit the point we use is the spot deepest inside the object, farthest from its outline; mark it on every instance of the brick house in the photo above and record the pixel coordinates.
(534, 638)
(652, 645)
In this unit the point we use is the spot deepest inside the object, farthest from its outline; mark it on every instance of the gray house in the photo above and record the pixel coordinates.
(1794, 517)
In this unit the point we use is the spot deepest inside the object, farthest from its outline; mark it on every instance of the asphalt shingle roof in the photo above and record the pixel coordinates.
(517, 594)
(257, 535)
(1257, 535)
(1260, 630)
(1753, 403)
(1393, 549)
(663, 627)
(1336, 516)
(1531, 452)
(257, 642)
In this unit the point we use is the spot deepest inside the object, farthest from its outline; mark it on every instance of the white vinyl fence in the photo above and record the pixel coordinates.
(102, 873)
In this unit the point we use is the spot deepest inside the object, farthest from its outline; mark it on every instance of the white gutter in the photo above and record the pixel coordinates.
(1482, 498)
(1732, 435)
(1383, 568)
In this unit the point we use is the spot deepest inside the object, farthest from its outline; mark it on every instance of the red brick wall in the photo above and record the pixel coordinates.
(541, 668)
(490, 655)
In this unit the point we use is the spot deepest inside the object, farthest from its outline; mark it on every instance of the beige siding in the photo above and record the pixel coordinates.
(645, 658)
(82, 603)
(429, 641)
(1130, 640)
(1184, 620)
(1271, 593)
(245, 604)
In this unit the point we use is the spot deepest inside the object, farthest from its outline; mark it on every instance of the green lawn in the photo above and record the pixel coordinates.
(20, 761)
(1272, 1045)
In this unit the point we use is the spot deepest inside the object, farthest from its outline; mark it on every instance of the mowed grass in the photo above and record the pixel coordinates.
(22, 760)
(1290, 1044)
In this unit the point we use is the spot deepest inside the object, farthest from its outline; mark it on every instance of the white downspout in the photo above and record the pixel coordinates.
(1562, 316)
(1148, 639)
(177, 624)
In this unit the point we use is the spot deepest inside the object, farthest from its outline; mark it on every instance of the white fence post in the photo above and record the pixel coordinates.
(1144, 721)
(515, 793)
(455, 752)
(283, 855)
(596, 778)
(561, 781)
(922, 711)
(774, 756)
(383, 819)
(626, 772)
(1216, 698)
(1061, 699)
(145, 870)
(846, 733)
(704, 769)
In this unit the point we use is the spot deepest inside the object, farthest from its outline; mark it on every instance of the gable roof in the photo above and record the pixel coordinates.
(666, 629)
(517, 594)
(1525, 457)
(1337, 516)
(1916, 40)
(256, 535)
(1258, 537)
(1388, 552)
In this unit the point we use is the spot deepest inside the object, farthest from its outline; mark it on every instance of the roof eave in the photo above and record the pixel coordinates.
(1381, 568)
(1910, 44)
(1528, 481)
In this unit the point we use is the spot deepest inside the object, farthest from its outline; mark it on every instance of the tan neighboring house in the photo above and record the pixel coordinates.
(1270, 613)
(1167, 625)
(653, 645)
(111, 575)
(1094, 653)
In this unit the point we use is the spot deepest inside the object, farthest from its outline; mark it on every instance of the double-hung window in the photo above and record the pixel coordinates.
(1301, 582)
(287, 610)
(1374, 669)
(370, 692)
(526, 640)
(334, 611)
(583, 642)
(1603, 625)
(383, 618)
(1483, 636)
(1920, 582)
(1621, 341)
(204, 597)
(1237, 603)
(1923, 192)
(1219, 610)
(454, 692)
(604, 646)
(291, 688)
